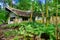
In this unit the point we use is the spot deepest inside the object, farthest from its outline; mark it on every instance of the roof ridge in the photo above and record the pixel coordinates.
(18, 9)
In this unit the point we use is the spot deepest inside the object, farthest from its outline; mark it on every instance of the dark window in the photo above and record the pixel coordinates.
(12, 18)
(24, 18)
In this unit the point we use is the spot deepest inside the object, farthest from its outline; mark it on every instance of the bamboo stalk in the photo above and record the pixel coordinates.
(56, 27)
(11, 3)
(46, 11)
(56, 21)
(31, 17)
(43, 16)
(42, 6)
(31, 12)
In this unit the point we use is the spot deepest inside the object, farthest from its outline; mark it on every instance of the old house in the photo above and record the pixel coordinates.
(16, 15)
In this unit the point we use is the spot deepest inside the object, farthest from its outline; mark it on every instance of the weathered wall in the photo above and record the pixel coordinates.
(52, 19)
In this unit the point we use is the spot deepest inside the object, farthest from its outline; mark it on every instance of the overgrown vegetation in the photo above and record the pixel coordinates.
(3, 16)
(31, 29)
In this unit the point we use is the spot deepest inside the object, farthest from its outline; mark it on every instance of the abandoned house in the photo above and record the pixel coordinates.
(16, 15)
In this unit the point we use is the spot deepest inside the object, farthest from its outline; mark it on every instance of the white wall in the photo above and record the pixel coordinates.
(12, 15)
(38, 18)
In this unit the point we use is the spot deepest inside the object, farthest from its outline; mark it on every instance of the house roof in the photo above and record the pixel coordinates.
(19, 12)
